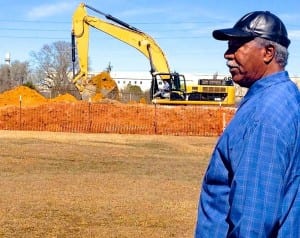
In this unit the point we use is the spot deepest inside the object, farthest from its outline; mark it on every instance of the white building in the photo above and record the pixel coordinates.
(143, 79)
(7, 58)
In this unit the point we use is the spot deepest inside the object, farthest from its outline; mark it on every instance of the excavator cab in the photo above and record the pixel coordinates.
(176, 82)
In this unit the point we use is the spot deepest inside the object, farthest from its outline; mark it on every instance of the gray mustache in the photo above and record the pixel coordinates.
(231, 64)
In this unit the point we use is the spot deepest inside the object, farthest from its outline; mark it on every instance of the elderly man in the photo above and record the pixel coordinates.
(251, 187)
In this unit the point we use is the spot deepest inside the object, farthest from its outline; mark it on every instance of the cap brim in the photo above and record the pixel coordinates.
(226, 34)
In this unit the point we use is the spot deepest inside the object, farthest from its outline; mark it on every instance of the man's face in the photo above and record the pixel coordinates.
(245, 59)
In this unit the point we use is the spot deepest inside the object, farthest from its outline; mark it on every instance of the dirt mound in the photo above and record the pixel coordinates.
(29, 97)
(104, 81)
(105, 85)
(99, 87)
(64, 98)
(21, 94)
(97, 97)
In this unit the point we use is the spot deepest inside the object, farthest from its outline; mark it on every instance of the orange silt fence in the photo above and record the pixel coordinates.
(120, 118)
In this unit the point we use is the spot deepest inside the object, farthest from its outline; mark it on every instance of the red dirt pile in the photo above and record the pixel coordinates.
(64, 98)
(23, 95)
(28, 97)
(106, 87)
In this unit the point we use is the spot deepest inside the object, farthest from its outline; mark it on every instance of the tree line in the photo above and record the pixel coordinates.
(49, 69)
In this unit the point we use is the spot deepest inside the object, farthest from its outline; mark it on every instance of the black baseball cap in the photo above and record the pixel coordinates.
(262, 24)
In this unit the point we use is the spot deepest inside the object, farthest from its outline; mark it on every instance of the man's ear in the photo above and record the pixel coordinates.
(269, 53)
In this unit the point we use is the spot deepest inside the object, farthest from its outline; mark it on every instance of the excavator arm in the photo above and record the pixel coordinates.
(180, 93)
(117, 29)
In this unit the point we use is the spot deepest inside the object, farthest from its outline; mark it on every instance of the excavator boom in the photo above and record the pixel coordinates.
(117, 29)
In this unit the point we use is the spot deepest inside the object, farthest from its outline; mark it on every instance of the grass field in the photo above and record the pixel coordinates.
(100, 185)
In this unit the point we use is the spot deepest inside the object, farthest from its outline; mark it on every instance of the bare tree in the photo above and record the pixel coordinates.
(17, 73)
(54, 68)
(132, 93)
(20, 72)
(5, 81)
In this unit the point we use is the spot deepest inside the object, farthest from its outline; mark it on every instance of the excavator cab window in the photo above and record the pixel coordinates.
(176, 82)
(176, 85)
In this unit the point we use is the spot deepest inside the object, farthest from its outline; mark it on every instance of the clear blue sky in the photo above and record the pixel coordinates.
(181, 28)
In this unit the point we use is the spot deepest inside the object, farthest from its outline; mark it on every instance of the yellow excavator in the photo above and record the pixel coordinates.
(206, 92)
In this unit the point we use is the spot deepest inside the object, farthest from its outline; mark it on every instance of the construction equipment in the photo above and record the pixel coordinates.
(217, 92)
(91, 87)
(206, 92)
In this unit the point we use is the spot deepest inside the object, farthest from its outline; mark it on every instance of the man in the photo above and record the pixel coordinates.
(164, 92)
(251, 187)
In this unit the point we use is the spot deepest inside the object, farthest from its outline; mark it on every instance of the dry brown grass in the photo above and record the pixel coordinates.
(100, 185)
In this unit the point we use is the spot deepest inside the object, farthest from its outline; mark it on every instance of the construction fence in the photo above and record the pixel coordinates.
(113, 117)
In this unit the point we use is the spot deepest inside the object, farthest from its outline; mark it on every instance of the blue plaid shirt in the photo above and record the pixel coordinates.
(251, 187)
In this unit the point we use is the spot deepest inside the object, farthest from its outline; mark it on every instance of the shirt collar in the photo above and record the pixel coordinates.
(264, 83)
